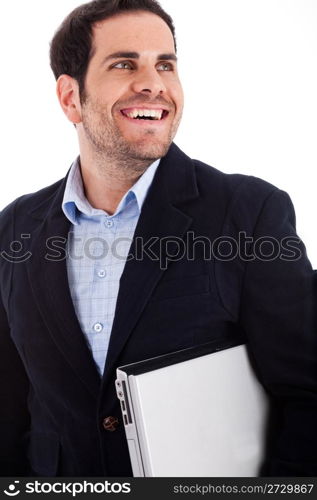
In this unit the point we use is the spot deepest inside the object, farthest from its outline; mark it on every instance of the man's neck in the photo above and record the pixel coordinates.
(105, 181)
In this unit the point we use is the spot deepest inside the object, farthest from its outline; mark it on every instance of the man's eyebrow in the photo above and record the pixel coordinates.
(136, 55)
(119, 55)
(167, 57)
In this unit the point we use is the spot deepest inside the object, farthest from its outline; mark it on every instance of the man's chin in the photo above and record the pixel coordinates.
(149, 152)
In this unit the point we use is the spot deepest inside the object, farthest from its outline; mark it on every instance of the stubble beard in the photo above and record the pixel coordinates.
(110, 146)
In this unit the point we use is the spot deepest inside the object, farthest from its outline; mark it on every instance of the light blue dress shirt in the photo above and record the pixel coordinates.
(98, 246)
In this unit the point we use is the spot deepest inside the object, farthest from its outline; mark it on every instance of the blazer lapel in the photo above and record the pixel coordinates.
(161, 217)
(173, 184)
(49, 282)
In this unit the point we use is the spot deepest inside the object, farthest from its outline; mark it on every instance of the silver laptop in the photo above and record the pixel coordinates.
(199, 412)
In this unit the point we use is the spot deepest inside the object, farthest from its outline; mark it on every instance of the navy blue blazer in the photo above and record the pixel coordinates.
(188, 281)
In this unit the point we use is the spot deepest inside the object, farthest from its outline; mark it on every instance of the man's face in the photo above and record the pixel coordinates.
(133, 99)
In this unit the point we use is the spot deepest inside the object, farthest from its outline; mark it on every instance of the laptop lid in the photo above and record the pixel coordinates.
(195, 412)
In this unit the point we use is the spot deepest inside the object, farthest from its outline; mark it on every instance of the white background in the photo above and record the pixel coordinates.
(249, 70)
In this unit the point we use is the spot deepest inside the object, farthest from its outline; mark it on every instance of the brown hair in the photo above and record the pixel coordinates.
(71, 48)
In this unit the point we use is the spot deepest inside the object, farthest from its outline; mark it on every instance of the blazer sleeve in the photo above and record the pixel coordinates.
(14, 384)
(14, 417)
(276, 313)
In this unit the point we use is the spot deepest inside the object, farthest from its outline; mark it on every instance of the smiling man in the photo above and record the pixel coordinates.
(137, 252)
(128, 107)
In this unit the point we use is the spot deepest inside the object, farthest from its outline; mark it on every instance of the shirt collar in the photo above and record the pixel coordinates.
(75, 201)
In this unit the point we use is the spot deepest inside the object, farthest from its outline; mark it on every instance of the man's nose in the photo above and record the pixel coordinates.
(148, 81)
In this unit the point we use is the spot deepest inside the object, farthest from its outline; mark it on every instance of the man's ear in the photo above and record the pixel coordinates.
(67, 90)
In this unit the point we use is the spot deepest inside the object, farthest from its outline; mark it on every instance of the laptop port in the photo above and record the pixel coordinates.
(124, 387)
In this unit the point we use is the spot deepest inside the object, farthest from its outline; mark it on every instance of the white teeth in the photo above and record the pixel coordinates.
(150, 113)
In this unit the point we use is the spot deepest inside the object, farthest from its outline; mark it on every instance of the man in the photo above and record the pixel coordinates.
(213, 256)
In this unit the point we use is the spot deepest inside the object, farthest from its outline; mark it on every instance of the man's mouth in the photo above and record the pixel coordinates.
(145, 114)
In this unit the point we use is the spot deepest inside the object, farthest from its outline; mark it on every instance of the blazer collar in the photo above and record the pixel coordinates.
(175, 174)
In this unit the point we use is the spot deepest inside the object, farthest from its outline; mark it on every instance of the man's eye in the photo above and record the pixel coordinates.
(165, 67)
(123, 65)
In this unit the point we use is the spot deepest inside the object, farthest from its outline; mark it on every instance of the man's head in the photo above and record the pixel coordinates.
(72, 46)
(114, 61)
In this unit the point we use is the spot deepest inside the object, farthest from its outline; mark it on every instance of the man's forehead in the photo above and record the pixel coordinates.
(134, 31)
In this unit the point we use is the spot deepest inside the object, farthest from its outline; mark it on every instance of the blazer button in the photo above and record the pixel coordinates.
(110, 423)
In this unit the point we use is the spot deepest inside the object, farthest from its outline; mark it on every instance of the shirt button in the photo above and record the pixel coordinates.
(109, 223)
(101, 273)
(98, 327)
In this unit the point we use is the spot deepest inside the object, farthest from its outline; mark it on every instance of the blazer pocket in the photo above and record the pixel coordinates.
(43, 453)
(182, 287)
